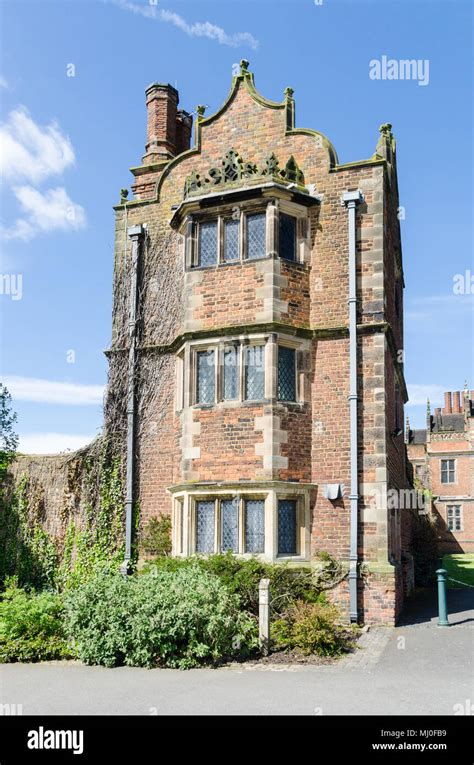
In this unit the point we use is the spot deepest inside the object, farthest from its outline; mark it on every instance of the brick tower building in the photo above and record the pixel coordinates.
(442, 455)
(258, 320)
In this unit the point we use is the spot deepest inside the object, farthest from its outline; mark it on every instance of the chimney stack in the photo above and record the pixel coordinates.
(448, 409)
(457, 402)
(168, 129)
(438, 411)
(184, 127)
(162, 107)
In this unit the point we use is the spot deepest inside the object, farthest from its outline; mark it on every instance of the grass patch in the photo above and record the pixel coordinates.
(460, 567)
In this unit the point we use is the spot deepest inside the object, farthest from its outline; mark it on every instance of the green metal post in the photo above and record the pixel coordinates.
(442, 610)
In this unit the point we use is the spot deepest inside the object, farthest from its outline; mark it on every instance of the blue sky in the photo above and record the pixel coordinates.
(69, 141)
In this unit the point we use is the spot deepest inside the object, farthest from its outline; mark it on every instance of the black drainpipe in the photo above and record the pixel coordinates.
(136, 234)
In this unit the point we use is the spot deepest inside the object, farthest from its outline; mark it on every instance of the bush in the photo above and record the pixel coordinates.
(180, 618)
(242, 576)
(156, 537)
(31, 625)
(312, 628)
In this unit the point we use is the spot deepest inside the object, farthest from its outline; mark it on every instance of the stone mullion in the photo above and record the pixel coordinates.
(271, 229)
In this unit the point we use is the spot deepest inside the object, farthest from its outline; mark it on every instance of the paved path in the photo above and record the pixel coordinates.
(416, 668)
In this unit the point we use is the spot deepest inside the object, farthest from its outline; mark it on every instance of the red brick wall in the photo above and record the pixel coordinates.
(318, 432)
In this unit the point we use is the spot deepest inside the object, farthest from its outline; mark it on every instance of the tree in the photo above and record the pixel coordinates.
(8, 418)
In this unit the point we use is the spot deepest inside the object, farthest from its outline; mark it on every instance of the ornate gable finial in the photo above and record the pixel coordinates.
(244, 66)
(289, 92)
(386, 129)
(385, 148)
(200, 110)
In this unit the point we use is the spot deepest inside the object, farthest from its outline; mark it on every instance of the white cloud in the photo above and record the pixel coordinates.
(198, 29)
(418, 394)
(438, 307)
(48, 211)
(51, 443)
(31, 152)
(53, 392)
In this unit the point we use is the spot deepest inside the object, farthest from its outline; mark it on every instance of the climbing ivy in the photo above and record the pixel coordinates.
(27, 550)
(100, 544)
(30, 553)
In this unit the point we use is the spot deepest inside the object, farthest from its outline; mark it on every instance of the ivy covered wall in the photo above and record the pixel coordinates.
(62, 515)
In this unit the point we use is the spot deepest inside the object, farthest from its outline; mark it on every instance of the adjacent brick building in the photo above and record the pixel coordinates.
(442, 455)
(241, 340)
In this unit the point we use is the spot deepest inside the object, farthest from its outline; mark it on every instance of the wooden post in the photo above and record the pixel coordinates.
(264, 615)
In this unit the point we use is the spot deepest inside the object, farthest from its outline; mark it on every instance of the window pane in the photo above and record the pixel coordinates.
(180, 520)
(286, 374)
(287, 526)
(254, 526)
(448, 471)
(255, 372)
(208, 243)
(256, 236)
(230, 525)
(230, 387)
(205, 527)
(231, 240)
(287, 236)
(206, 380)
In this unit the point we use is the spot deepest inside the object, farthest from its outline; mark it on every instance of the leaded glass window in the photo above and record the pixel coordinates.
(208, 243)
(287, 236)
(287, 527)
(205, 377)
(448, 471)
(454, 517)
(255, 526)
(180, 521)
(230, 378)
(230, 525)
(254, 372)
(205, 522)
(256, 236)
(286, 374)
(231, 240)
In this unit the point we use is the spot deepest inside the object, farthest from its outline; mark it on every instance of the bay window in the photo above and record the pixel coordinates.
(237, 234)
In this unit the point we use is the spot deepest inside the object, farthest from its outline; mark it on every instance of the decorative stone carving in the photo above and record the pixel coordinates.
(233, 169)
(292, 173)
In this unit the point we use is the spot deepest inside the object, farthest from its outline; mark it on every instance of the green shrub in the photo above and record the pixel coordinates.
(156, 537)
(242, 576)
(180, 618)
(312, 628)
(30, 625)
